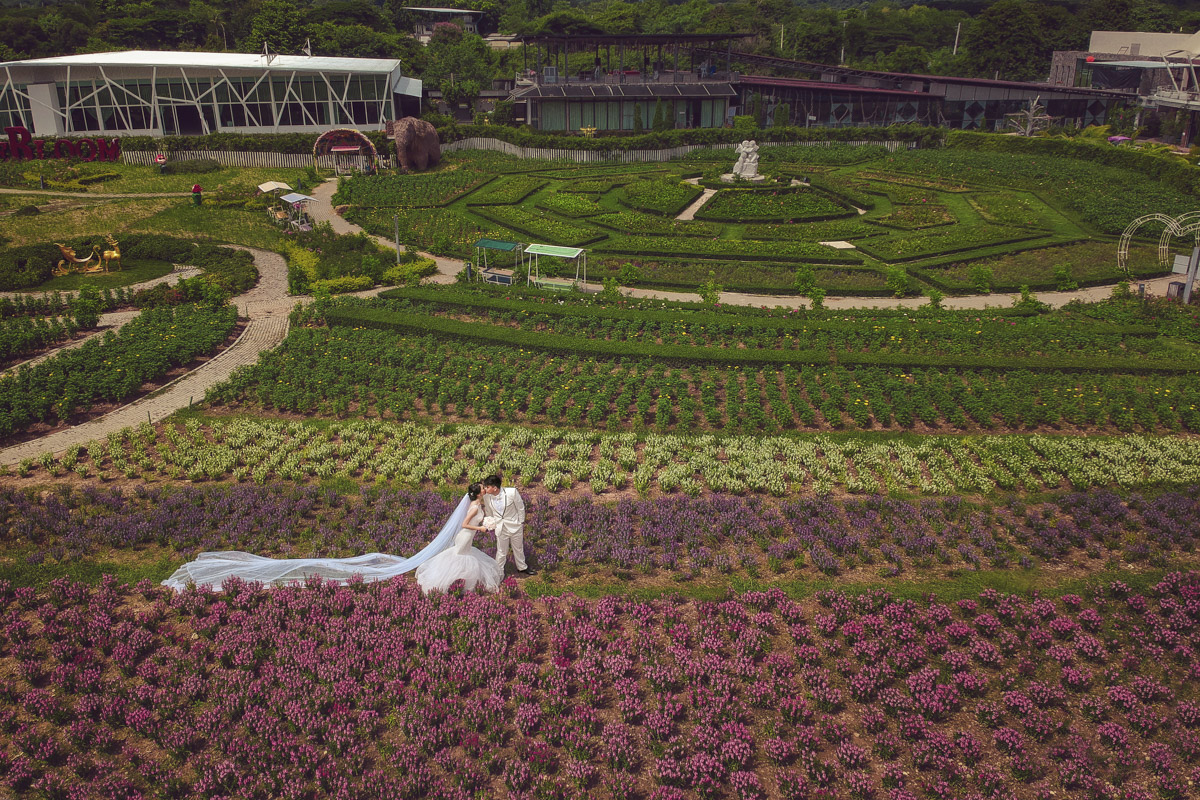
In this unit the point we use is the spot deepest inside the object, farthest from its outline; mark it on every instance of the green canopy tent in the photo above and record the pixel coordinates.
(487, 272)
(576, 254)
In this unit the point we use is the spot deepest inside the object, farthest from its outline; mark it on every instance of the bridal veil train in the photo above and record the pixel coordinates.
(214, 569)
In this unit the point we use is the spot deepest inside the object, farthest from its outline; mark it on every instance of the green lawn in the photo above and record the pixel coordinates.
(133, 272)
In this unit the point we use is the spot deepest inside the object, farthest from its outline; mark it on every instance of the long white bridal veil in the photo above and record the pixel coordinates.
(214, 569)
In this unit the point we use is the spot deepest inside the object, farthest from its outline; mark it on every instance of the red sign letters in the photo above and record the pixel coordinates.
(21, 146)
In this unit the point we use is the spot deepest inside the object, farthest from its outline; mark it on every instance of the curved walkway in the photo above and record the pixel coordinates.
(448, 269)
(266, 305)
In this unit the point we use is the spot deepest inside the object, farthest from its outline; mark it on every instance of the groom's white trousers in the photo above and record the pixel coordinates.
(513, 536)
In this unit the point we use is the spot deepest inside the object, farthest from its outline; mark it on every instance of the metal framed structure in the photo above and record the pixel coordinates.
(576, 254)
(160, 93)
(487, 272)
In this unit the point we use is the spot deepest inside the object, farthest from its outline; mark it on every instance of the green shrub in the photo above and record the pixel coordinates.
(190, 167)
(99, 177)
(410, 272)
(348, 283)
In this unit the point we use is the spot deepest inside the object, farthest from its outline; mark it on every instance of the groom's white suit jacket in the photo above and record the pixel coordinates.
(508, 509)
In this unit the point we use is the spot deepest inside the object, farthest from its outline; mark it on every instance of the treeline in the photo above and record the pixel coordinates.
(1010, 39)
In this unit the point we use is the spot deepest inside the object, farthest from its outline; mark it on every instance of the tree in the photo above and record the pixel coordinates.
(279, 24)
(467, 58)
(783, 115)
(1007, 40)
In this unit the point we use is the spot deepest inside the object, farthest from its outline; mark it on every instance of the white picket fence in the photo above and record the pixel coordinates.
(631, 156)
(230, 158)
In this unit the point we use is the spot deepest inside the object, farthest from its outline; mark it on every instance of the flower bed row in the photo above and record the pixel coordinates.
(771, 205)
(542, 226)
(785, 540)
(111, 369)
(414, 454)
(433, 189)
(368, 691)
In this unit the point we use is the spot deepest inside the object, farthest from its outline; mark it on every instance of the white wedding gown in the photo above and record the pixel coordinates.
(461, 562)
(213, 569)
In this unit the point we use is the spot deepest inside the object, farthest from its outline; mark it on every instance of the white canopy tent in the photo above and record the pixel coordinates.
(533, 253)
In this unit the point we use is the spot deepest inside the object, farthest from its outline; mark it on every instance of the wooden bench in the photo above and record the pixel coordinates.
(500, 277)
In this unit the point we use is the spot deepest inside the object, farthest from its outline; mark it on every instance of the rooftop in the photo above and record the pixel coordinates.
(255, 61)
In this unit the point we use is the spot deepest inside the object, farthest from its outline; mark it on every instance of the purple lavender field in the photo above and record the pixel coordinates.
(369, 691)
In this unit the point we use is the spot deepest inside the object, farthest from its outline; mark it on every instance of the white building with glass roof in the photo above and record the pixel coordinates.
(157, 93)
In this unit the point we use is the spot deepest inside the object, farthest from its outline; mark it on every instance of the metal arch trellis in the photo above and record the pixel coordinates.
(1172, 227)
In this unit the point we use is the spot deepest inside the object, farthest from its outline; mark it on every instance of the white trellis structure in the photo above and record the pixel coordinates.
(1184, 225)
(534, 252)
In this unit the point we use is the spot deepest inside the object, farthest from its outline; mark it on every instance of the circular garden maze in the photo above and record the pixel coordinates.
(956, 220)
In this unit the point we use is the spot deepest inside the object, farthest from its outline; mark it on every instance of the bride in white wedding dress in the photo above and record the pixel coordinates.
(213, 569)
(461, 561)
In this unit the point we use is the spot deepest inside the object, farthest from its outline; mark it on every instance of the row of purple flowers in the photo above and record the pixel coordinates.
(377, 691)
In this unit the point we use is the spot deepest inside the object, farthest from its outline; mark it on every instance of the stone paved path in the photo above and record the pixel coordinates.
(266, 305)
(705, 196)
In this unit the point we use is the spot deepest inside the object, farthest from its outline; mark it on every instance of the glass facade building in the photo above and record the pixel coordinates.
(167, 93)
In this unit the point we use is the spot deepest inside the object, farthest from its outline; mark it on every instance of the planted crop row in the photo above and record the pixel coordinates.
(730, 248)
(634, 223)
(997, 336)
(668, 195)
(507, 190)
(747, 537)
(20, 336)
(323, 370)
(370, 691)
(420, 455)
(774, 205)
(542, 226)
(831, 230)
(945, 240)
(1010, 208)
(396, 322)
(111, 369)
(433, 189)
(571, 205)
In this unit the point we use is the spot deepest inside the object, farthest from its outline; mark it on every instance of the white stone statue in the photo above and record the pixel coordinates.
(746, 166)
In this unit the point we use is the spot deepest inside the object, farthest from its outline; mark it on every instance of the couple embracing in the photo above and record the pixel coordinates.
(487, 506)
(493, 507)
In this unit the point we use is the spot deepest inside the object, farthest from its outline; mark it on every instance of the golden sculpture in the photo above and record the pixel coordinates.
(110, 255)
(70, 263)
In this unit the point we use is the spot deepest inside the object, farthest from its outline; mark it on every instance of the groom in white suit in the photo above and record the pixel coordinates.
(506, 515)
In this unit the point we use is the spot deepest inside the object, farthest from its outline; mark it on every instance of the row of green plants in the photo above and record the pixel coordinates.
(435, 189)
(944, 241)
(250, 449)
(362, 371)
(23, 336)
(798, 204)
(999, 337)
(667, 195)
(539, 225)
(111, 369)
(507, 190)
(633, 223)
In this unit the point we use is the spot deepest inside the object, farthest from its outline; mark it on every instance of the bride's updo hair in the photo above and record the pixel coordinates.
(474, 490)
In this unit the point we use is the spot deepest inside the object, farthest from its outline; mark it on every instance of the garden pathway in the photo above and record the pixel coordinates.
(690, 211)
(266, 306)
